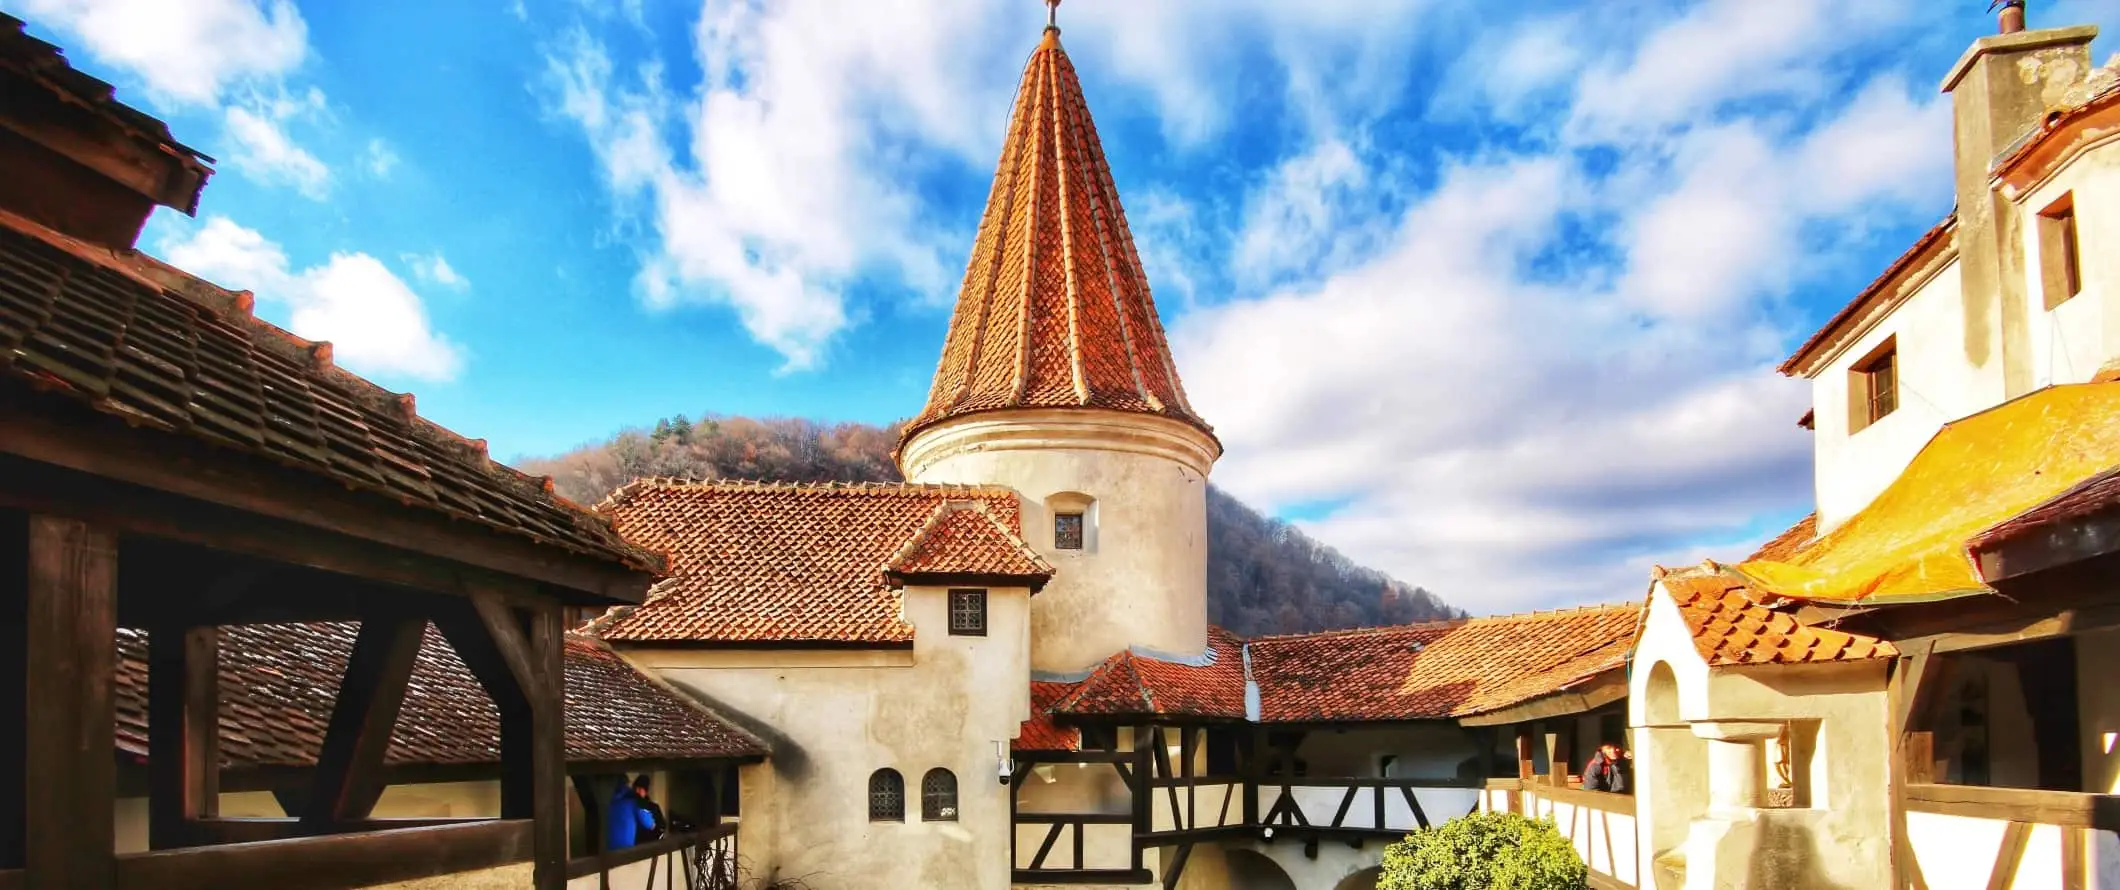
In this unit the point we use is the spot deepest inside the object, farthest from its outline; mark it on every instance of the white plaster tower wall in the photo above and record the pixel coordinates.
(1140, 481)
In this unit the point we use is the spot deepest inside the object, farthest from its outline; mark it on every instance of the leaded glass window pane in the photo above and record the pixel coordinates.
(1067, 531)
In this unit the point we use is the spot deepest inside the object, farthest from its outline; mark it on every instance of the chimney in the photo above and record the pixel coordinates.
(2012, 19)
(2001, 91)
(78, 161)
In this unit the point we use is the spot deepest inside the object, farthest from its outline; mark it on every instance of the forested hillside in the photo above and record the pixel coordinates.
(1263, 576)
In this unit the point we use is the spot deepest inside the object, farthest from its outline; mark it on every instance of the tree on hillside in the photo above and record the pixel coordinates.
(1263, 575)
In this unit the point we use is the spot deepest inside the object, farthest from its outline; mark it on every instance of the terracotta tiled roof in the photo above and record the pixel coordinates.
(758, 563)
(1055, 310)
(112, 331)
(1133, 685)
(1786, 544)
(1440, 669)
(278, 683)
(2098, 494)
(1730, 626)
(962, 539)
(1040, 733)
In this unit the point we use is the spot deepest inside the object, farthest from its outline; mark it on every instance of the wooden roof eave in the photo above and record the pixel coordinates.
(64, 459)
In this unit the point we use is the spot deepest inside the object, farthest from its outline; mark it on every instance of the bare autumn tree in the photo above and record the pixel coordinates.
(1263, 575)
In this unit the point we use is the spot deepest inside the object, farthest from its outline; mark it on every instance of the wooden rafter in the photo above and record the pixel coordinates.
(350, 767)
(183, 737)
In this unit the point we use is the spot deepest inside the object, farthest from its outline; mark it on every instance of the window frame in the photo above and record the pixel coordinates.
(938, 796)
(2060, 251)
(1081, 531)
(1868, 401)
(886, 796)
(975, 595)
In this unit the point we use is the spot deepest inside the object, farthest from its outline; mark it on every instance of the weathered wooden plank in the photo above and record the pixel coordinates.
(2075, 859)
(548, 747)
(14, 714)
(72, 654)
(183, 741)
(266, 511)
(2064, 808)
(2006, 859)
(331, 862)
(349, 769)
(1052, 836)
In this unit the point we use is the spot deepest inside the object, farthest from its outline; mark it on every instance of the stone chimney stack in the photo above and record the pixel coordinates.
(2001, 91)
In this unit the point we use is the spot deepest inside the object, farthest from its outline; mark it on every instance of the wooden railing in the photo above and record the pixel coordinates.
(2016, 837)
(1355, 807)
(359, 859)
(1599, 824)
(695, 860)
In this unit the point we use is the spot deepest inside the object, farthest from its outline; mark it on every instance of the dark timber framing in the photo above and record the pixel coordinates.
(102, 526)
(1265, 759)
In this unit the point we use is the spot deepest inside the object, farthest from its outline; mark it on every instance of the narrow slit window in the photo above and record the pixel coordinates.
(886, 796)
(968, 613)
(1873, 390)
(938, 796)
(2060, 252)
(1067, 531)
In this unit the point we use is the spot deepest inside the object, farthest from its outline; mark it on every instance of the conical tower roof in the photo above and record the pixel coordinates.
(1055, 310)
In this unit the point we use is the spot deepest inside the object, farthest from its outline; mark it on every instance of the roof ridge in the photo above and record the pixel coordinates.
(1547, 614)
(638, 485)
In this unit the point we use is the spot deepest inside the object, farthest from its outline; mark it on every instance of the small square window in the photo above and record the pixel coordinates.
(1873, 386)
(1067, 531)
(968, 613)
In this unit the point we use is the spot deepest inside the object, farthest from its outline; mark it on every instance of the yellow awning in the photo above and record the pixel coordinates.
(1910, 544)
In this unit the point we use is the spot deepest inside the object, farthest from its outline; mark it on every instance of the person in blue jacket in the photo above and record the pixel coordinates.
(631, 820)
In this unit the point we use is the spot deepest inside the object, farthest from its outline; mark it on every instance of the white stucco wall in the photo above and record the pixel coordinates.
(841, 715)
(2070, 342)
(1143, 580)
(1937, 384)
(1843, 838)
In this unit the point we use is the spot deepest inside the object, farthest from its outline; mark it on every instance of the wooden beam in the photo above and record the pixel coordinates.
(183, 731)
(508, 638)
(548, 745)
(332, 862)
(90, 466)
(2007, 858)
(1907, 680)
(592, 812)
(349, 776)
(72, 630)
(1176, 869)
(2067, 809)
(14, 685)
(1609, 687)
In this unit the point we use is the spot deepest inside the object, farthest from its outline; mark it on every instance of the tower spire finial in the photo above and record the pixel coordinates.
(1052, 14)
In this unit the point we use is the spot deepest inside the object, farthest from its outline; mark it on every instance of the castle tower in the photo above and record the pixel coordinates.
(1056, 381)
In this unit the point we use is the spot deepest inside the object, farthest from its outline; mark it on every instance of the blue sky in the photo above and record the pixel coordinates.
(1487, 295)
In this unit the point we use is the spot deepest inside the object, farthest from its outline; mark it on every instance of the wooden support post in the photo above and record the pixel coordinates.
(1906, 695)
(592, 814)
(548, 744)
(1525, 769)
(349, 776)
(14, 713)
(183, 732)
(71, 646)
(1561, 751)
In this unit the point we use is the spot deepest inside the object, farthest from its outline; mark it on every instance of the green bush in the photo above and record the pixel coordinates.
(1484, 851)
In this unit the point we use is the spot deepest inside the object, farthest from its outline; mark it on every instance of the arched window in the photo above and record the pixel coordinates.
(938, 796)
(886, 796)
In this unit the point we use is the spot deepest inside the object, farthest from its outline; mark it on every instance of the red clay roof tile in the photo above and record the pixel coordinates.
(1055, 310)
(963, 539)
(1440, 669)
(1134, 685)
(1790, 542)
(754, 563)
(98, 327)
(1730, 627)
(1041, 733)
(279, 682)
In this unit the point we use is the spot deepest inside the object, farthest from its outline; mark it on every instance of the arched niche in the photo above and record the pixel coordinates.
(1249, 870)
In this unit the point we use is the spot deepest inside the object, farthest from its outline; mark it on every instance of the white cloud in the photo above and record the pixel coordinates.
(263, 151)
(1551, 375)
(379, 159)
(186, 51)
(433, 268)
(375, 322)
